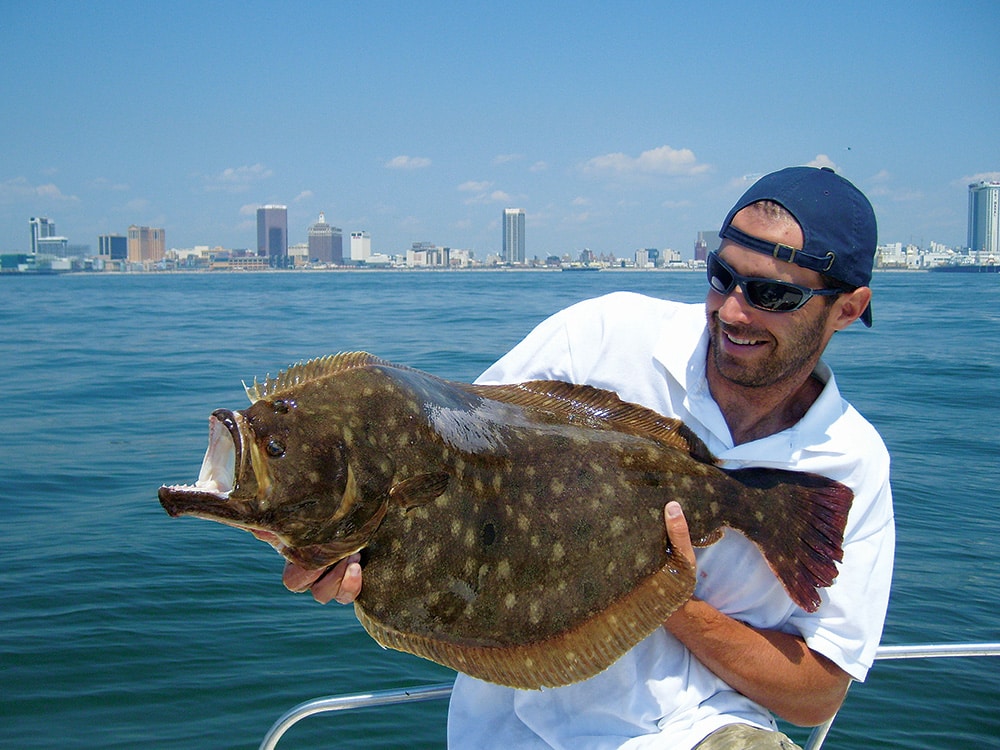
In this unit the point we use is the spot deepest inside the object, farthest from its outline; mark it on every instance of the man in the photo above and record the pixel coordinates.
(744, 372)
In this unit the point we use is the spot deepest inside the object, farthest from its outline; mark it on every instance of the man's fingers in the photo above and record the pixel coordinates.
(299, 579)
(341, 582)
(677, 531)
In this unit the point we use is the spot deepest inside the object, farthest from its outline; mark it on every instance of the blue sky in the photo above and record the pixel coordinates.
(615, 126)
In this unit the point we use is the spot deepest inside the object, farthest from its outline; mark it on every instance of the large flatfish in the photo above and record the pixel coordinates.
(513, 532)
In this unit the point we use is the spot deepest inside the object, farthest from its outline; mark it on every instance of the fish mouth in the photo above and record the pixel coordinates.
(209, 496)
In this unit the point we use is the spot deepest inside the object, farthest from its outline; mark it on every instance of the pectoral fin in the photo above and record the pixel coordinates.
(419, 490)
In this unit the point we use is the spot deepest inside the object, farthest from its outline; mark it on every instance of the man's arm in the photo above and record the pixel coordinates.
(777, 670)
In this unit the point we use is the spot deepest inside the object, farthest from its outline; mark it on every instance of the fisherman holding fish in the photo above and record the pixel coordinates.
(744, 372)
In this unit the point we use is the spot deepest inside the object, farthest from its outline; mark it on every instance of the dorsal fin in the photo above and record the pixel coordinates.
(599, 409)
(303, 372)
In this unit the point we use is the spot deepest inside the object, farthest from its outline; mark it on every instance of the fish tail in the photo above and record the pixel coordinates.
(798, 522)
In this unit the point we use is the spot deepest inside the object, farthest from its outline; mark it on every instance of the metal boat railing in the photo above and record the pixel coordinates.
(443, 690)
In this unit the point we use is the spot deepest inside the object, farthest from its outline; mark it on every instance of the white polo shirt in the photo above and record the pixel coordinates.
(653, 352)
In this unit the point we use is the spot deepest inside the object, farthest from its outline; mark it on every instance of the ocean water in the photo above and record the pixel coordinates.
(121, 627)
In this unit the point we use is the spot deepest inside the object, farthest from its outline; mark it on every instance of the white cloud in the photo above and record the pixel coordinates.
(538, 166)
(475, 186)
(102, 183)
(237, 179)
(507, 158)
(484, 197)
(408, 162)
(303, 196)
(20, 189)
(663, 160)
(137, 204)
(822, 160)
(987, 176)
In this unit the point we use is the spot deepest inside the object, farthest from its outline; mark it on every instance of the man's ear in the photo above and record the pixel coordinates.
(850, 305)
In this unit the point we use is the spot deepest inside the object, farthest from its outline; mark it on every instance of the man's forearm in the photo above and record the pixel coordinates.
(775, 669)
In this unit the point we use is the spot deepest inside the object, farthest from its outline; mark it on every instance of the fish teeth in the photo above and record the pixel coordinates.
(218, 468)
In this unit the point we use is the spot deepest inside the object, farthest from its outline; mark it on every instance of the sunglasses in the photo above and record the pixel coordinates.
(771, 295)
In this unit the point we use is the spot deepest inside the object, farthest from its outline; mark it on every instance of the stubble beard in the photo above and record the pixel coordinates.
(799, 349)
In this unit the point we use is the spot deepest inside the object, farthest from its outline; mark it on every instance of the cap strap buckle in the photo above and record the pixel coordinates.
(822, 264)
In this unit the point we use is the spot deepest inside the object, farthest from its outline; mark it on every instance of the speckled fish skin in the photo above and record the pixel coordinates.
(514, 533)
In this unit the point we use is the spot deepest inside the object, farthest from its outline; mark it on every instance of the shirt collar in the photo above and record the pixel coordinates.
(683, 351)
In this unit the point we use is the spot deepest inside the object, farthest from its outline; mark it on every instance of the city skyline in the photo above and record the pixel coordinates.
(613, 130)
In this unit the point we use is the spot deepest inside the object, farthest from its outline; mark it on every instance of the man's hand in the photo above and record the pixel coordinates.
(341, 582)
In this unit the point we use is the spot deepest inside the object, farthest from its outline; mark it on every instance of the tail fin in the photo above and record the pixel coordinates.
(798, 523)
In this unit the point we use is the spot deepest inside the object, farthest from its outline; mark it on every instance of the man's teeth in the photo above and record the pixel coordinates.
(742, 342)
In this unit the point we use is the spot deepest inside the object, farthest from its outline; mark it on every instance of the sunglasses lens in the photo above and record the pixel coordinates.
(719, 277)
(775, 296)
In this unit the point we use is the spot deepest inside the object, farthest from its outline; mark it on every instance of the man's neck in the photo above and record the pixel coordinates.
(754, 413)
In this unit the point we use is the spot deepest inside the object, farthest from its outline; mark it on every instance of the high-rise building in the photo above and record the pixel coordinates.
(984, 217)
(112, 247)
(513, 235)
(272, 234)
(707, 242)
(326, 243)
(146, 244)
(40, 229)
(361, 247)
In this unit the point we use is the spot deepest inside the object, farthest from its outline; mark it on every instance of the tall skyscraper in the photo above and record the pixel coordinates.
(707, 242)
(984, 217)
(361, 247)
(513, 235)
(146, 244)
(112, 247)
(272, 235)
(40, 229)
(326, 243)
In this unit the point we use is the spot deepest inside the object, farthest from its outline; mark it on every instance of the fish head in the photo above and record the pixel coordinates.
(282, 473)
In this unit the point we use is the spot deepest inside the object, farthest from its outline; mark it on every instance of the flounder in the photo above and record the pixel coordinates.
(513, 532)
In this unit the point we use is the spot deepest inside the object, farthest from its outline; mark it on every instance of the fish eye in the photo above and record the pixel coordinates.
(280, 406)
(275, 448)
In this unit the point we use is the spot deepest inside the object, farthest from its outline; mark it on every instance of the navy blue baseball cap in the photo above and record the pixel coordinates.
(837, 221)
